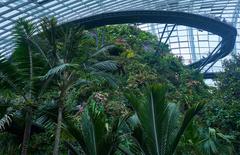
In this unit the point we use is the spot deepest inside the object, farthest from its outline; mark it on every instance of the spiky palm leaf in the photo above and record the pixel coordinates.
(93, 126)
(189, 115)
(95, 135)
(159, 121)
(76, 132)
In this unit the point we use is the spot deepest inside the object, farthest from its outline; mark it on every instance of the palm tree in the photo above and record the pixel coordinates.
(70, 65)
(19, 73)
(157, 130)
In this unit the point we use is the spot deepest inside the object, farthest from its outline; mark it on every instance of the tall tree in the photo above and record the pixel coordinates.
(71, 65)
(21, 70)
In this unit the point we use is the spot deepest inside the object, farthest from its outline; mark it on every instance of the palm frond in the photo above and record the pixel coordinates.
(90, 135)
(108, 77)
(93, 135)
(24, 30)
(105, 66)
(81, 82)
(186, 121)
(5, 121)
(57, 70)
(25, 34)
(159, 120)
(151, 114)
(8, 70)
(28, 58)
(76, 133)
(10, 77)
(103, 50)
(50, 34)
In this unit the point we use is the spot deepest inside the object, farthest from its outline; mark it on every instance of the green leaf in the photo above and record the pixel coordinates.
(105, 66)
(5, 121)
(159, 120)
(58, 70)
(103, 50)
(186, 121)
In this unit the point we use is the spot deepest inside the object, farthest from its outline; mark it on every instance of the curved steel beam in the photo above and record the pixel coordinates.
(211, 75)
(224, 30)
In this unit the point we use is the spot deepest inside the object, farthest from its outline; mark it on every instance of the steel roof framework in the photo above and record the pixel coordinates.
(189, 43)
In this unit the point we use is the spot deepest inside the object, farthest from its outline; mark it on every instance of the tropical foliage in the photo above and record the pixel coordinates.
(158, 126)
(223, 111)
(110, 90)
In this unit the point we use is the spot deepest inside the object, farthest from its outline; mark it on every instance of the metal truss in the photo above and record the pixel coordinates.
(189, 43)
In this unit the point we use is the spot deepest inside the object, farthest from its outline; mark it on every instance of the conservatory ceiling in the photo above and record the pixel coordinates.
(184, 41)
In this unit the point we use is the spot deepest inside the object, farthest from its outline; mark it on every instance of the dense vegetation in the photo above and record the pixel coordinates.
(111, 90)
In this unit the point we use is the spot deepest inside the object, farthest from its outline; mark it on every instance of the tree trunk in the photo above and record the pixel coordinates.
(58, 130)
(27, 131)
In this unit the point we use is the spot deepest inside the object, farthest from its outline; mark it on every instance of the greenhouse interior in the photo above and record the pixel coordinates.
(119, 77)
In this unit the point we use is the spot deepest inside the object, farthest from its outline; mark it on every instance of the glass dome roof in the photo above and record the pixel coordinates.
(190, 43)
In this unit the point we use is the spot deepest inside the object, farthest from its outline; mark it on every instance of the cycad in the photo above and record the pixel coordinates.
(159, 131)
(96, 134)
